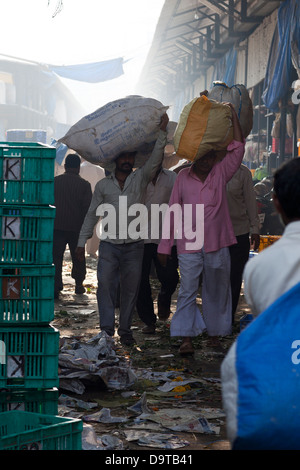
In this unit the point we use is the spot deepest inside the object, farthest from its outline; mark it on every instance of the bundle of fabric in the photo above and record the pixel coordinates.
(128, 124)
(237, 95)
(261, 380)
(204, 125)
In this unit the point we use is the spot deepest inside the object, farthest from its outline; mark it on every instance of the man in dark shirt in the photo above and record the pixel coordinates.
(73, 195)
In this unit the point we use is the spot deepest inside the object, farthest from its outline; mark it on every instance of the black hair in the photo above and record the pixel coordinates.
(72, 161)
(122, 154)
(287, 187)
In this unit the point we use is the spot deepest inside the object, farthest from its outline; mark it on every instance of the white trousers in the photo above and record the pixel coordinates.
(216, 294)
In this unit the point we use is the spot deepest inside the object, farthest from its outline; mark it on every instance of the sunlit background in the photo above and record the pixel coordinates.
(73, 32)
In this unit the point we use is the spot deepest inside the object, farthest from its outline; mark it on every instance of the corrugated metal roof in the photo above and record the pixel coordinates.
(192, 34)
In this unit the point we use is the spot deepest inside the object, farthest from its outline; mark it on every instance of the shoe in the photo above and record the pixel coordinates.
(186, 348)
(149, 330)
(127, 340)
(79, 289)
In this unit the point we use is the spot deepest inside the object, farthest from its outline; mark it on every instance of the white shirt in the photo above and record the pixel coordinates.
(107, 192)
(158, 194)
(92, 173)
(274, 271)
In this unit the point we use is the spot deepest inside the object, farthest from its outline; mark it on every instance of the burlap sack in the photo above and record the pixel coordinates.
(204, 125)
(126, 125)
(237, 95)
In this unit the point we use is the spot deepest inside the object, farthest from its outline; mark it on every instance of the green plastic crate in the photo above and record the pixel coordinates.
(21, 430)
(27, 173)
(26, 295)
(34, 401)
(26, 234)
(29, 357)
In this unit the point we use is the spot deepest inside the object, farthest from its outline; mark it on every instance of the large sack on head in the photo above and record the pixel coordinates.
(204, 125)
(124, 125)
(237, 95)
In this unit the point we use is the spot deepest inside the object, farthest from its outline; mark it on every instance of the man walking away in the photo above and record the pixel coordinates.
(73, 196)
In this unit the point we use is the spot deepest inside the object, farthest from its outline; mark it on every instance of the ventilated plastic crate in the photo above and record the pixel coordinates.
(26, 234)
(26, 135)
(34, 401)
(21, 430)
(29, 357)
(267, 240)
(27, 173)
(26, 295)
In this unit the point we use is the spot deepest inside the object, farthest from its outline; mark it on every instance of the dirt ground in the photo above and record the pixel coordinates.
(77, 316)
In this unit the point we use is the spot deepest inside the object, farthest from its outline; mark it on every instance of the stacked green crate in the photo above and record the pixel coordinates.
(26, 269)
(29, 344)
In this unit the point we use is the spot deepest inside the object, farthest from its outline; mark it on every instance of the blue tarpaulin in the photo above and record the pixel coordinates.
(284, 54)
(225, 68)
(92, 73)
(61, 151)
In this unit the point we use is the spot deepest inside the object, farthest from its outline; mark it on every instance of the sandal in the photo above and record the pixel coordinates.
(214, 342)
(186, 348)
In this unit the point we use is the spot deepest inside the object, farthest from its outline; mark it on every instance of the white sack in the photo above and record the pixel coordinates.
(125, 125)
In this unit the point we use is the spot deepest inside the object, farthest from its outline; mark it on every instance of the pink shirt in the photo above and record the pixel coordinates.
(189, 189)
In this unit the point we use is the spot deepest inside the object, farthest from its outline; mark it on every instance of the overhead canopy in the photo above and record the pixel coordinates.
(284, 55)
(191, 36)
(92, 73)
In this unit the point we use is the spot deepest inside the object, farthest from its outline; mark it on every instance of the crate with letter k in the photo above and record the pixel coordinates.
(30, 356)
(29, 345)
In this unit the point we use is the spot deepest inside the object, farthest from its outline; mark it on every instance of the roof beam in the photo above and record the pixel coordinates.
(220, 6)
(184, 47)
(248, 19)
(214, 6)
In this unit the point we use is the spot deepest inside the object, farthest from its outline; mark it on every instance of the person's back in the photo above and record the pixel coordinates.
(72, 196)
(259, 377)
(277, 268)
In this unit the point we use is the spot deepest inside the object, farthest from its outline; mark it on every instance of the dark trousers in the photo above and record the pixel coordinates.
(239, 255)
(119, 273)
(167, 276)
(61, 239)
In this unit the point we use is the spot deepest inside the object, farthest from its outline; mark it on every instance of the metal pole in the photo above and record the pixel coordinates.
(282, 130)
